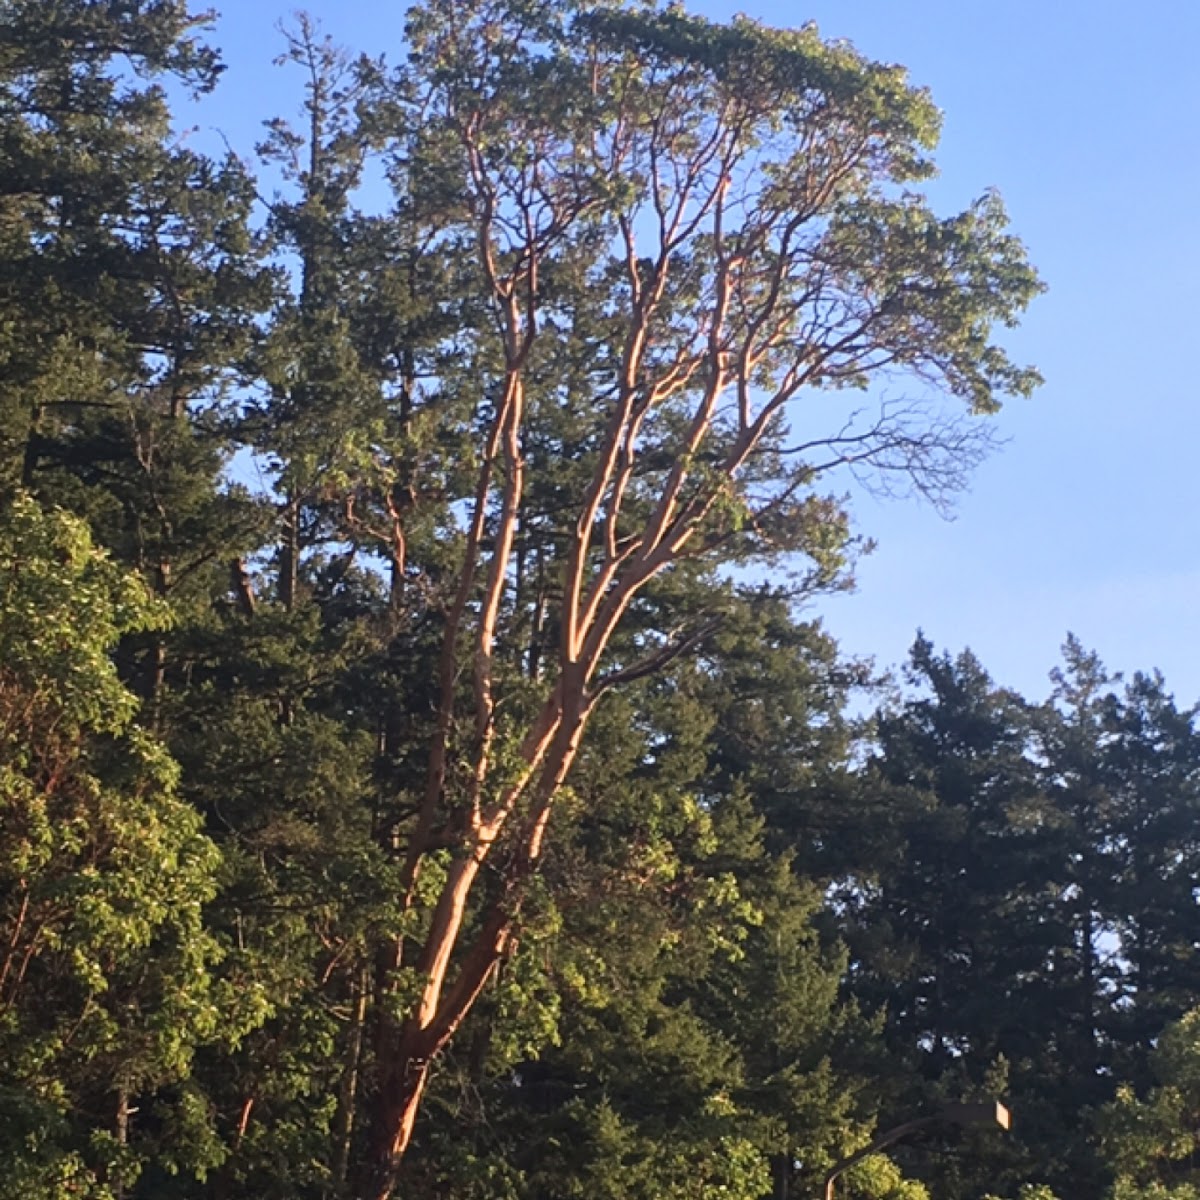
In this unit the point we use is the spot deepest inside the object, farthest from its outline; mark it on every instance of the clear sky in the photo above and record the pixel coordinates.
(1085, 114)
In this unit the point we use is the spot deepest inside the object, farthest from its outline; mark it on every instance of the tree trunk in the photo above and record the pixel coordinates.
(122, 1131)
(781, 1169)
(348, 1092)
(393, 1119)
(289, 556)
(29, 460)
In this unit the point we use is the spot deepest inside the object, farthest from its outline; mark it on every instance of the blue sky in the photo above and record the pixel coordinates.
(1085, 115)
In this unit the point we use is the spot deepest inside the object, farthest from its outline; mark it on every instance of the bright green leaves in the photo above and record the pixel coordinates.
(1152, 1142)
(940, 285)
(690, 229)
(64, 605)
(105, 974)
(786, 78)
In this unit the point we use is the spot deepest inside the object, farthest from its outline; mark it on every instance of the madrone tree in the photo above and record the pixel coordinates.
(678, 252)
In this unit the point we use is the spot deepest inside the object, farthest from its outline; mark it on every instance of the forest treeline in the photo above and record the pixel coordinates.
(421, 772)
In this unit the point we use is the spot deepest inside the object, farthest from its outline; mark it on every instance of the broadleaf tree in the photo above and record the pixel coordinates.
(693, 239)
(107, 972)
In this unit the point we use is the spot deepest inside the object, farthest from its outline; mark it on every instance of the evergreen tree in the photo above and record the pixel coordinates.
(1075, 741)
(1026, 865)
(945, 912)
(1153, 767)
(130, 286)
(296, 720)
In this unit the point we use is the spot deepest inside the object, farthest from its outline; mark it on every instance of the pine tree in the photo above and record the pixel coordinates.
(944, 907)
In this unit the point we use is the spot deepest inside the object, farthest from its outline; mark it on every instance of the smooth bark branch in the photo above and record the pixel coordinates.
(670, 256)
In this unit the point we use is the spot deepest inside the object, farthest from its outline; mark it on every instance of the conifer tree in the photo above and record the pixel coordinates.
(131, 285)
(1153, 767)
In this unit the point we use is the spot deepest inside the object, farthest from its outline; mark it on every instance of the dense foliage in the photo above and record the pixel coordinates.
(408, 782)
